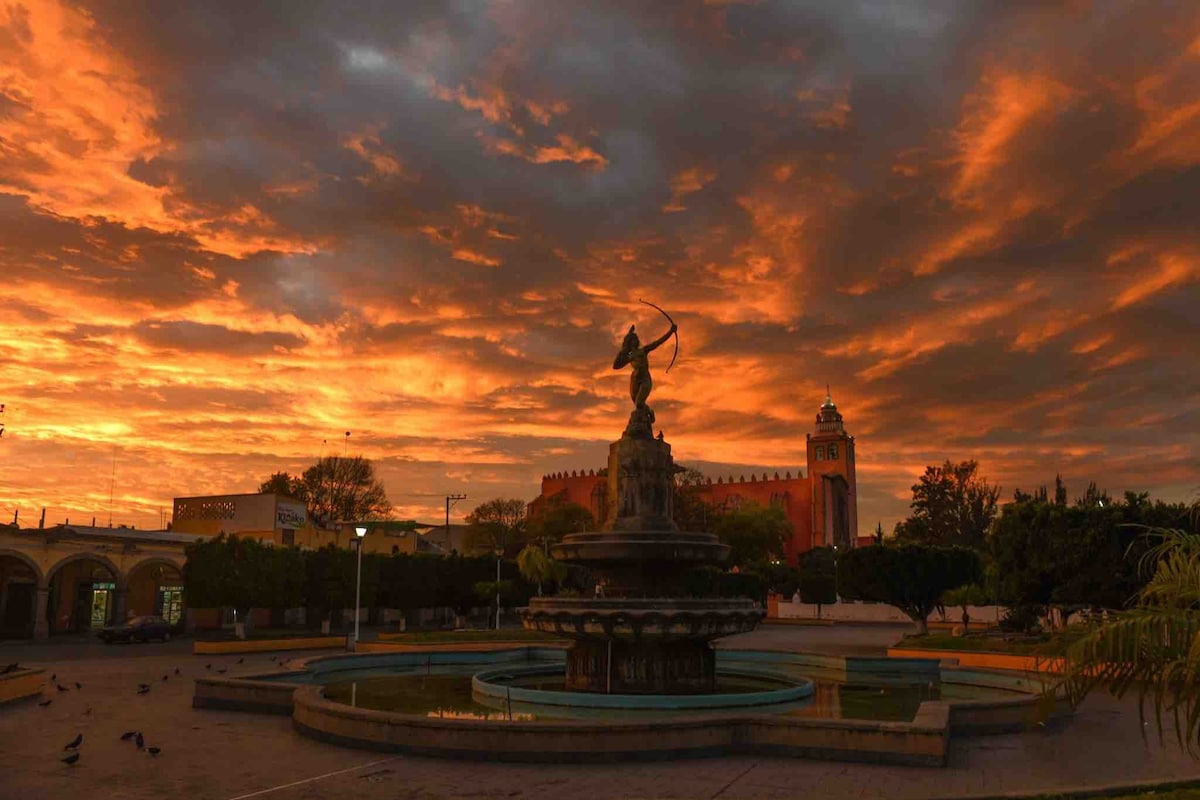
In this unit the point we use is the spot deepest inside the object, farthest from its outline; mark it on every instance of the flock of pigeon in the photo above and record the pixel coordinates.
(72, 747)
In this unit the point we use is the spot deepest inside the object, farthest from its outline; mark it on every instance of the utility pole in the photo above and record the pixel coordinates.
(451, 500)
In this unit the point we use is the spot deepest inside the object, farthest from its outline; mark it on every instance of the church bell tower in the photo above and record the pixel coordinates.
(831, 473)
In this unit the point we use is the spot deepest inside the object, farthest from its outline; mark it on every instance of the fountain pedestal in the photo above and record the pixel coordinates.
(644, 636)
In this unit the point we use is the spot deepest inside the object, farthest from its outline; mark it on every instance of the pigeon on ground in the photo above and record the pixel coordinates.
(143, 690)
(78, 685)
(71, 759)
(177, 670)
(61, 688)
(164, 678)
(240, 660)
(139, 740)
(53, 676)
(74, 743)
(45, 703)
(87, 712)
(153, 750)
(208, 666)
(221, 672)
(127, 735)
(10, 668)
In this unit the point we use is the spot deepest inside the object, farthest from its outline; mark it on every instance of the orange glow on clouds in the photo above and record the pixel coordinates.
(435, 233)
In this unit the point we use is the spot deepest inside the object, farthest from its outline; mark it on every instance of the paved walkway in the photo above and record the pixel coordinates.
(227, 755)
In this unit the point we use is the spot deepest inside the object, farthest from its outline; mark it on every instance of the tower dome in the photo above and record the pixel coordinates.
(829, 419)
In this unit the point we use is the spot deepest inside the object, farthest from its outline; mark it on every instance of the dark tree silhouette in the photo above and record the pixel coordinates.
(335, 489)
(951, 505)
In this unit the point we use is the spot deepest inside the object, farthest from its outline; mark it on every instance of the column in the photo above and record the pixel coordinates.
(120, 598)
(41, 628)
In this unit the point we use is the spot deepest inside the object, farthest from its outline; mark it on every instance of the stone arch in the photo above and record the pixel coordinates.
(118, 575)
(144, 590)
(67, 608)
(154, 561)
(27, 561)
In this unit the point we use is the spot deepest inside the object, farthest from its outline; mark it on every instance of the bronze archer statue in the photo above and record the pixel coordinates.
(632, 352)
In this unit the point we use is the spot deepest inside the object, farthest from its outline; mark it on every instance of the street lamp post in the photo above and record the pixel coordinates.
(499, 555)
(361, 532)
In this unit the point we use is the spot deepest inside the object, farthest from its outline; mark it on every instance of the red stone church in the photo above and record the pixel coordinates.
(821, 503)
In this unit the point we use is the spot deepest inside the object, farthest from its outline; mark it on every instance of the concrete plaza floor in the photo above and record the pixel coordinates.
(238, 756)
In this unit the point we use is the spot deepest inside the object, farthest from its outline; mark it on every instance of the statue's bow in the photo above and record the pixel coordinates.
(668, 316)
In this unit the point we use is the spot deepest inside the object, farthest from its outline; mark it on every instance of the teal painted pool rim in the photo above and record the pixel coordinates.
(487, 683)
(324, 669)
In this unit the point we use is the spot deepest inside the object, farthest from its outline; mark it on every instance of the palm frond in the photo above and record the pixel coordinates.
(1153, 648)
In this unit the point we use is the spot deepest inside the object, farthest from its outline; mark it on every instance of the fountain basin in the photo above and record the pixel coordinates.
(632, 645)
(641, 619)
(863, 709)
(761, 691)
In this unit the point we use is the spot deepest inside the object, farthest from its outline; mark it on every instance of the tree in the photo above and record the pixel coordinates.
(496, 525)
(973, 594)
(335, 489)
(457, 577)
(332, 573)
(537, 567)
(408, 581)
(557, 520)
(285, 484)
(240, 573)
(818, 577)
(756, 534)
(1153, 647)
(951, 505)
(912, 578)
(1049, 554)
(710, 581)
(691, 511)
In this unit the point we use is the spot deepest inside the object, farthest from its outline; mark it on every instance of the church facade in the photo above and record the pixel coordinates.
(820, 502)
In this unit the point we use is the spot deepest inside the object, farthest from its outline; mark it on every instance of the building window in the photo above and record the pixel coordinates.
(169, 603)
(820, 456)
(833, 452)
(289, 537)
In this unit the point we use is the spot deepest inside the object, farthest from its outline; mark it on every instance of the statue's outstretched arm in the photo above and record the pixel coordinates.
(654, 345)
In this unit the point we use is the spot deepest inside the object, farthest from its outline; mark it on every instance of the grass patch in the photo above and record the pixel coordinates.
(977, 643)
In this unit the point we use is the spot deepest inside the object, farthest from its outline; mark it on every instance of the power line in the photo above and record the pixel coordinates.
(451, 500)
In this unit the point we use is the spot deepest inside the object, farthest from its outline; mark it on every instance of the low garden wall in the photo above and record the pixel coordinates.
(983, 660)
(878, 612)
(20, 684)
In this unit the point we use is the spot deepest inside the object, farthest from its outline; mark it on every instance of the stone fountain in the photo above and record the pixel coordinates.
(644, 635)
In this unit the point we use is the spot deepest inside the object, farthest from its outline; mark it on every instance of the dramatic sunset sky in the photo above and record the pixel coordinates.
(230, 231)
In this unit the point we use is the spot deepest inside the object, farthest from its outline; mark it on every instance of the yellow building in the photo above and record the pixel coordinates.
(78, 577)
(389, 537)
(270, 518)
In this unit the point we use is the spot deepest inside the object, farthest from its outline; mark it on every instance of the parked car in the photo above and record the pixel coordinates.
(138, 629)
